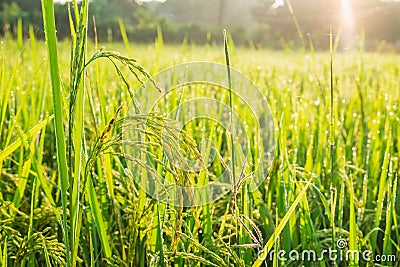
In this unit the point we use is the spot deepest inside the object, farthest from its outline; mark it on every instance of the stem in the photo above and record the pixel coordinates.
(331, 135)
(51, 40)
(230, 101)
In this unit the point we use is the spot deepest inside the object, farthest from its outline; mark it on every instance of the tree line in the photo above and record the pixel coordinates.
(258, 23)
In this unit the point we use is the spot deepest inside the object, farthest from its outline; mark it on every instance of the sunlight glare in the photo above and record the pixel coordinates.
(277, 3)
(347, 15)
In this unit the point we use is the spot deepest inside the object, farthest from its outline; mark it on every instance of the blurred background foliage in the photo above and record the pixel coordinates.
(259, 23)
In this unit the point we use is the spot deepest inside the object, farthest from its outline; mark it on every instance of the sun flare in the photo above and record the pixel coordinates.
(347, 19)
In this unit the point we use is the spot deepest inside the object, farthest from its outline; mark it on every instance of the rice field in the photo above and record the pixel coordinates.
(76, 191)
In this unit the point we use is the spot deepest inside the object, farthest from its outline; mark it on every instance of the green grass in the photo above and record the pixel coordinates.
(68, 198)
(51, 40)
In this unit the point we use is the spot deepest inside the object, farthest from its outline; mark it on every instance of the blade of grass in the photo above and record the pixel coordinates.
(23, 179)
(124, 36)
(51, 40)
(383, 183)
(296, 23)
(20, 40)
(280, 227)
(29, 135)
(353, 244)
(331, 135)
(228, 69)
(98, 218)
